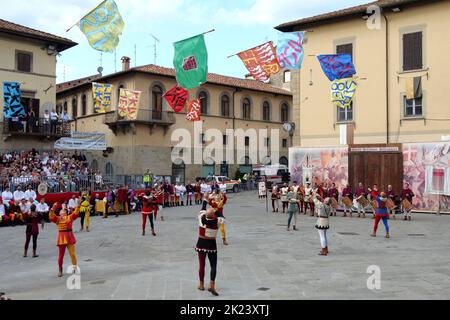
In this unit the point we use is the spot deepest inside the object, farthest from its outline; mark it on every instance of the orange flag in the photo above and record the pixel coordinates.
(261, 61)
(194, 110)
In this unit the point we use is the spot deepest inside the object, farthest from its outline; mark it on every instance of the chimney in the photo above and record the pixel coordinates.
(125, 63)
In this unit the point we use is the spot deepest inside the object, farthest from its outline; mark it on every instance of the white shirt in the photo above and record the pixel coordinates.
(73, 203)
(46, 118)
(7, 196)
(25, 207)
(54, 116)
(223, 187)
(18, 195)
(204, 187)
(30, 194)
(2, 210)
(42, 207)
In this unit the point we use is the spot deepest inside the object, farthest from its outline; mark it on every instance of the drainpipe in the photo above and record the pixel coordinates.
(387, 78)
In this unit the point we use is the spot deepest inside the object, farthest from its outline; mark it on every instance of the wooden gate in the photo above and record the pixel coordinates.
(376, 164)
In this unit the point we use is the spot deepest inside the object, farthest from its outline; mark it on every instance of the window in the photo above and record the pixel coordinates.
(346, 114)
(83, 105)
(413, 107)
(285, 143)
(413, 51)
(225, 140)
(118, 92)
(23, 61)
(109, 170)
(74, 108)
(203, 96)
(345, 49)
(247, 141)
(225, 105)
(246, 108)
(287, 76)
(284, 113)
(284, 161)
(266, 111)
(65, 108)
(157, 102)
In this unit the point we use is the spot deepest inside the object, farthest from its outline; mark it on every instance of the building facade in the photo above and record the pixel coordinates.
(28, 56)
(383, 138)
(147, 143)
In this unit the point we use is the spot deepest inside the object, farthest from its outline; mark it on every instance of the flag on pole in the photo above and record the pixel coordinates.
(129, 104)
(194, 110)
(290, 50)
(102, 97)
(13, 107)
(176, 98)
(261, 61)
(103, 26)
(191, 62)
(337, 66)
(343, 91)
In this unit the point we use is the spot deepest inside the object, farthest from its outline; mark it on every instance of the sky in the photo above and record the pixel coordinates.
(239, 25)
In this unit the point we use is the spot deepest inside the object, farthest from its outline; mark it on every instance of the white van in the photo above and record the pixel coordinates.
(273, 173)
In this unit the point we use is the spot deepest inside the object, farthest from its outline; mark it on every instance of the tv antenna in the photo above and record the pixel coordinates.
(155, 47)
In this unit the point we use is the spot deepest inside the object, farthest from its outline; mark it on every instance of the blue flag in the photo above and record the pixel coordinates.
(337, 66)
(13, 107)
(290, 50)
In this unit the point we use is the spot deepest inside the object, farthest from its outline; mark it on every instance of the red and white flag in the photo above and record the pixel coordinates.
(261, 61)
(194, 111)
(176, 98)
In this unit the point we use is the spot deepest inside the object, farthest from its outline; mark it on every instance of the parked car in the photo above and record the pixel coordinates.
(232, 185)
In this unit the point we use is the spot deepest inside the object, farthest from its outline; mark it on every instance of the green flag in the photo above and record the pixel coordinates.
(191, 62)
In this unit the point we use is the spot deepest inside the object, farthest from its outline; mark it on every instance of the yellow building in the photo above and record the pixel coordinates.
(147, 143)
(28, 56)
(384, 138)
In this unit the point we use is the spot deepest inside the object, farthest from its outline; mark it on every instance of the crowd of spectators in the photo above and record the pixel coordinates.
(62, 172)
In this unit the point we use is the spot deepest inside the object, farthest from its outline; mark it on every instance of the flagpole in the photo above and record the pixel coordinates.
(86, 15)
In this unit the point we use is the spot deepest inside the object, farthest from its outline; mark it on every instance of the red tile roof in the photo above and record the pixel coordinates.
(346, 13)
(212, 78)
(19, 30)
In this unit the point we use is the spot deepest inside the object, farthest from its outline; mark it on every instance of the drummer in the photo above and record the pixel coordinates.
(390, 194)
(333, 193)
(360, 193)
(406, 194)
(347, 192)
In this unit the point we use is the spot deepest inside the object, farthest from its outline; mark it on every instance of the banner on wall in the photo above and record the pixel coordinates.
(83, 141)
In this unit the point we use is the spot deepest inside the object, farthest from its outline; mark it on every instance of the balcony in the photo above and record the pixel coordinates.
(147, 117)
(16, 127)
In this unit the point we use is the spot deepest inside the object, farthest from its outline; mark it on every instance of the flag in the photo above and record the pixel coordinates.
(343, 91)
(413, 88)
(290, 50)
(102, 97)
(103, 26)
(261, 61)
(191, 62)
(12, 99)
(194, 110)
(176, 98)
(129, 104)
(337, 66)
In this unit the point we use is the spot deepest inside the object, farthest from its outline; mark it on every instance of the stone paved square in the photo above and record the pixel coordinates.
(263, 261)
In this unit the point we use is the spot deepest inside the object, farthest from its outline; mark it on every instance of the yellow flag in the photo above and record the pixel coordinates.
(129, 104)
(102, 97)
(343, 91)
(103, 26)
(410, 88)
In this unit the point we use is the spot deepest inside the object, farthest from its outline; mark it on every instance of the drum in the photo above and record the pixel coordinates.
(347, 202)
(390, 204)
(363, 201)
(374, 204)
(43, 189)
(334, 203)
(407, 205)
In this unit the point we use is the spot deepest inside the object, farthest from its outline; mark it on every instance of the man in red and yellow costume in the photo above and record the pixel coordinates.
(217, 201)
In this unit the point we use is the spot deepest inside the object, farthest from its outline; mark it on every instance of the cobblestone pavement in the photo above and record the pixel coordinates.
(263, 261)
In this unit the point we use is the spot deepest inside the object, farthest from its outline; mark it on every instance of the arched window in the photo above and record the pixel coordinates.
(118, 92)
(178, 172)
(94, 164)
(284, 113)
(109, 170)
(266, 111)
(74, 108)
(203, 96)
(157, 102)
(65, 108)
(246, 108)
(284, 161)
(225, 105)
(83, 105)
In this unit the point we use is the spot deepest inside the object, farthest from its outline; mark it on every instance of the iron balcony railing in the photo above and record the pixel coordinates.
(35, 127)
(144, 116)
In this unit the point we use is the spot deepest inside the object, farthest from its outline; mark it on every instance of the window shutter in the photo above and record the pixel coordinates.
(412, 51)
(23, 62)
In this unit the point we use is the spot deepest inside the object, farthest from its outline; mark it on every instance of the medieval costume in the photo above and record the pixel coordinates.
(209, 223)
(217, 201)
(197, 196)
(381, 214)
(407, 194)
(360, 192)
(347, 192)
(333, 193)
(66, 238)
(308, 199)
(323, 223)
(148, 208)
(190, 194)
(275, 199)
(292, 209)
(85, 214)
(284, 198)
(390, 194)
(32, 220)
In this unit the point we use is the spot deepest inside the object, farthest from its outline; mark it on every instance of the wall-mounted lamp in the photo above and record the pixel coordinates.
(51, 50)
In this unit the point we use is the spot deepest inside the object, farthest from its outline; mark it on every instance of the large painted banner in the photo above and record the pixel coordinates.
(12, 99)
(320, 165)
(426, 167)
(102, 97)
(83, 141)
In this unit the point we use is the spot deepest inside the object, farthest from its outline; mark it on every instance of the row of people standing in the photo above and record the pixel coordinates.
(188, 194)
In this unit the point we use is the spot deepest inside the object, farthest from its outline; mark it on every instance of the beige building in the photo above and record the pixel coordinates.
(28, 56)
(383, 138)
(135, 146)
